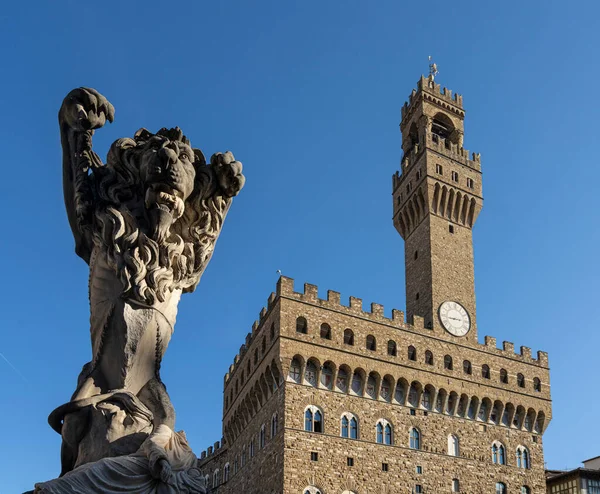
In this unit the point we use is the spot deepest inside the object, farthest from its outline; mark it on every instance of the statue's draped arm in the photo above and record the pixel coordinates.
(82, 111)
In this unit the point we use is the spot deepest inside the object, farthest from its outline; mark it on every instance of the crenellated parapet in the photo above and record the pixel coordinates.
(286, 289)
(433, 92)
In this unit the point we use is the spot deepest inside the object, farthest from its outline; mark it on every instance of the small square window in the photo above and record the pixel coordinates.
(451, 228)
(418, 489)
(425, 413)
(385, 467)
(535, 439)
(314, 456)
(413, 411)
(419, 469)
(350, 461)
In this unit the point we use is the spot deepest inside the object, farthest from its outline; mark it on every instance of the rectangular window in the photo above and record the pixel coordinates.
(470, 183)
(419, 173)
(418, 488)
(413, 411)
(314, 456)
(408, 187)
(439, 170)
(384, 467)
(419, 469)
(451, 228)
(350, 461)
(454, 176)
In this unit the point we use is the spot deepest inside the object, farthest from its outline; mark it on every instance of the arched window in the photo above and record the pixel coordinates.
(467, 368)
(274, 425)
(503, 376)
(327, 376)
(348, 337)
(392, 350)
(255, 356)
(263, 346)
(325, 331)
(412, 353)
(485, 371)
(353, 428)
(261, 437)
(428, 358)
(414, 438)
(455, 485)
(527, 490)
(371, 343)
(295, 370)
(313, 419)
(498, 454)
(384, 432)
(226, 472)
(345, 426)
(442, 126)
(447, 362)
(523, 458)
(500, 488)
(272, 332)
(537, 384)
(520, 380)
(215, 483)
(453, 447)
(349, 425)
(301, 325)
(310, 374)
(311, 489)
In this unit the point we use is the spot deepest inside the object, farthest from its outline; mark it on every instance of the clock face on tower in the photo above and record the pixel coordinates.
(455, 318)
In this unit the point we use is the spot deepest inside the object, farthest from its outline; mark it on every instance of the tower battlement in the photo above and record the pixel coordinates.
(428, 89)
(285, 288)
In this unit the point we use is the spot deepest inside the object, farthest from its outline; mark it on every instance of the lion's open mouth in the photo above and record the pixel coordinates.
(167, 201)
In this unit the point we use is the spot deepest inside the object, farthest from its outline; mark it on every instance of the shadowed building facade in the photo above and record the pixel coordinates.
(327, 398)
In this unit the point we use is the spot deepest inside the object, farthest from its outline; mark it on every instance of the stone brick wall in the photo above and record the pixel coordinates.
(285, 466)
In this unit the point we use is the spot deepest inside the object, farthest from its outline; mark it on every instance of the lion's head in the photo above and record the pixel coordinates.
(161, 210)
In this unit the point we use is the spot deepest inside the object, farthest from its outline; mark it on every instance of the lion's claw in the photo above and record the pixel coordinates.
(86, 109)
(229, 173)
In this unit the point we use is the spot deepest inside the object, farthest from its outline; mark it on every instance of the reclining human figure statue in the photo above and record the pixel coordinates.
(146, 223)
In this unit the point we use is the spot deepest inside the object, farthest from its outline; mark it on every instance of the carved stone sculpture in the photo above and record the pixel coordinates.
(146, 223)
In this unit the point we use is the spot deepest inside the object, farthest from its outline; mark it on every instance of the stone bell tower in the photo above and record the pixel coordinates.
(437, 196)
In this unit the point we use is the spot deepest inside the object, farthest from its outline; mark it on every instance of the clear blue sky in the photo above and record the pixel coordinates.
(308, 95)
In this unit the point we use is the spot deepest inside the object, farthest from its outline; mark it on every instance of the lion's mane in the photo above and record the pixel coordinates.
(149, 270)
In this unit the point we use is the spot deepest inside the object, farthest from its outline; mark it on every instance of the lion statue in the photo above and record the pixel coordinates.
(146, 223)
